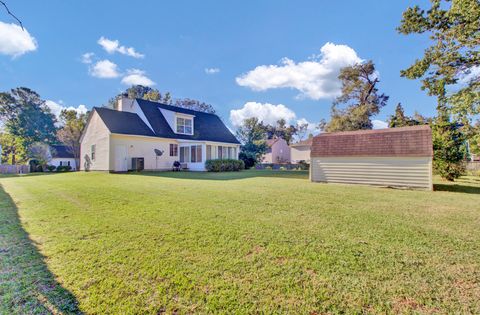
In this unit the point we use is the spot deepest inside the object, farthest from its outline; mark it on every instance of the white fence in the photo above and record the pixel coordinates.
(14, 169)
(473, 166)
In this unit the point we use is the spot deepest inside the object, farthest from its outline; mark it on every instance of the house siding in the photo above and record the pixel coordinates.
(96, 134)
(300, 153)
(280, 152)
(414, 172)
(143, 147)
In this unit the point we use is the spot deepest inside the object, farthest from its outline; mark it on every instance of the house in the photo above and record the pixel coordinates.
(278, 151)
(397, 157)
(300, 151)
(62, 156)
(153, 135)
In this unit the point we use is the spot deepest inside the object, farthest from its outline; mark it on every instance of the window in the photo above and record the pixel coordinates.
(92, 152)
(64, 163)
(220, 156)
(184, 154)
(173, 149)
(209, 152)
(196, 153)
(184, 126)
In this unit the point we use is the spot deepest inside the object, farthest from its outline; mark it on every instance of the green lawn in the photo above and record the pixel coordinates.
(249, 242)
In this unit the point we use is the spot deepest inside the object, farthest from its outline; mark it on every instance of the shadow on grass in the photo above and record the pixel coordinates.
(457, 188)
(226, 175)
(26, 284)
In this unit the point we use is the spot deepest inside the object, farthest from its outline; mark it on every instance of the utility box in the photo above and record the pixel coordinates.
(138, 164)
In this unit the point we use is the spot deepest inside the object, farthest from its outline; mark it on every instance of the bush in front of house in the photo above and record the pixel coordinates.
(64, 168)
(248, 159)
(51, 168)
(227, 165)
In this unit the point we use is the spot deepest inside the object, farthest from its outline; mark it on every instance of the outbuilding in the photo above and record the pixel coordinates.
(394, 157)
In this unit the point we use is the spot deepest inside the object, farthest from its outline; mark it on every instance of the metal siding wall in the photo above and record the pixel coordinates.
(415, 172)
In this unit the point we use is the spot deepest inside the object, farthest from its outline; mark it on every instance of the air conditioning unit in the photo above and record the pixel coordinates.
(138, 164)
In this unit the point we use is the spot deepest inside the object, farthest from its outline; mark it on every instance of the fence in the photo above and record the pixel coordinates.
(473, 166)
(14, 169)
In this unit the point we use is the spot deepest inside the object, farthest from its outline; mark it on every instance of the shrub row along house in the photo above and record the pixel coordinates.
(152, 136)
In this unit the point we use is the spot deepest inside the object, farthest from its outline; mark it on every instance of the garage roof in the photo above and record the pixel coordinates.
(391, 142)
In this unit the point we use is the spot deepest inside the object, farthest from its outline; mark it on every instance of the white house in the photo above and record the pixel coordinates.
(157, 133)
(300, 151)
(277, 151)
(61, 156)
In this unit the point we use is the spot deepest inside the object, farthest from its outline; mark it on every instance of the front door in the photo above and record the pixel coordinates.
(120, 158)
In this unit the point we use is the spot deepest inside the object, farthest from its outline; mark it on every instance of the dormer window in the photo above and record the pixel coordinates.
(185, 125)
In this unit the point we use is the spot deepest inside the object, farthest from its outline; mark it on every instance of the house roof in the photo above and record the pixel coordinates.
(307, 142)
(206, 127)
(123, 122)
(61, 151)
(391, 142)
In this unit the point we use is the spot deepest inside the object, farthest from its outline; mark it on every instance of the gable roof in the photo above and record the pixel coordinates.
(61, 151)
(405, 141)
(123, 122)
(206, 127)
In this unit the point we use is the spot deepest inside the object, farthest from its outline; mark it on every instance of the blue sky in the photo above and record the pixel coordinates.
(179, 40)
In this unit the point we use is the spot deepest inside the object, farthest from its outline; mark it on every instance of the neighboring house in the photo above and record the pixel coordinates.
(300, 151)
(397, 157)
(278, 151)
(157, 133)
(61, 156)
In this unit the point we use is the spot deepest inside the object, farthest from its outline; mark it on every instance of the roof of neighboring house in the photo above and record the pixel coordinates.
(405, 141)
(206, 127)
(307, 142)
(61, 151)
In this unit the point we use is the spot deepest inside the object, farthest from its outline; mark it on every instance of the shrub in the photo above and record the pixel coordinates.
(303, 165)
(248, 159)
(227, 165)
(282, 168)
(64, 168)
(51, 168)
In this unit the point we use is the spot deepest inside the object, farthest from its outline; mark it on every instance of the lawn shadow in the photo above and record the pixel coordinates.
(26, 284)
(466, 185)
(225, 175)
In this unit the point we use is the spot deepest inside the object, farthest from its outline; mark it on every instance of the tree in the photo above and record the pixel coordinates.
(281, 130)
(69, 134)
(252, 135)
(40, 152)
(447, 65)
(13, 150)
(360, 98)
(302, 129)
(151, 94)
(449, 148)
(401, 120)
(26, 118)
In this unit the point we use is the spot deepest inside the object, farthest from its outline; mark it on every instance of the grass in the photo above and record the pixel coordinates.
(249, 242)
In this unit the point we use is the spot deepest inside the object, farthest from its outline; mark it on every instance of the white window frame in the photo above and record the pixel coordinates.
(185, 118)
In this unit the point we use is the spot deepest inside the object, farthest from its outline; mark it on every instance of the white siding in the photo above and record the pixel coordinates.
(143, 147)
(300, 153)
(414, 172)
(56, 162)
(96, 134)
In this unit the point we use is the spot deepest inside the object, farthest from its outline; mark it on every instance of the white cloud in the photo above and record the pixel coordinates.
(137, 77)
(104, 69)
(471, 74)
(112, 46)
(212, 70)
(315, 79)
(87, 57)
(268, 113)
(57, 108)
(15, 41)
(379, 124)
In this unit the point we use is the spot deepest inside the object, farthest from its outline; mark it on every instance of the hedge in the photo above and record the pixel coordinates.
(227, 165)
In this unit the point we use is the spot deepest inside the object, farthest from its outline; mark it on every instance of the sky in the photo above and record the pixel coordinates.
(268, 59)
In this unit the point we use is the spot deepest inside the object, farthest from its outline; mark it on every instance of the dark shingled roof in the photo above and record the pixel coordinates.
(206, 127)
(391, 142)
(60, 151)
(123, 122)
